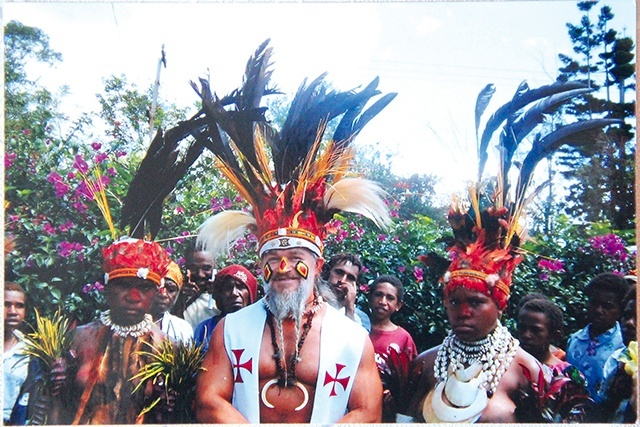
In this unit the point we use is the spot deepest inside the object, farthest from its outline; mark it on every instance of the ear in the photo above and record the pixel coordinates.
(399, 305)
(319, 265)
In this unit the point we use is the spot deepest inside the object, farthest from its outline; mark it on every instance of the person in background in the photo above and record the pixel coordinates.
(618, 392)
(176, 328)
(540, 324)
(196, 303)
(589, 348)
(341, 272)
(233, 288)
(15, 363)
(385, 298)
(555, 351)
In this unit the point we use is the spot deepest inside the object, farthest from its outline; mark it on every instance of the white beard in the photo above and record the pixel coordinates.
(288, 304)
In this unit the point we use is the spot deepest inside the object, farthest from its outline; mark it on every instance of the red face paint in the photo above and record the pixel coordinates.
(302, 269)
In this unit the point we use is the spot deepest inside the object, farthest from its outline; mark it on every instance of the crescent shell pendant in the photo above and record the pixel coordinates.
(265, 388)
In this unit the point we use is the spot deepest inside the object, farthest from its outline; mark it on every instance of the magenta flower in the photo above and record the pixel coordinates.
(238, 199)
(252, 238)
(215, 204)
(610, 245)
(60, 187)
(556, 266)
(544, 277)
(402, 269)
(65, 249)
(49, 229)
(393, 213)
(80, 164)
(71, 175)
(180, 261)
(179, 210)
(27, 132)
(80, 207)
(112, 171)
(9, 158)
(121, 154)
(100, 157)
(168, 250)
(382, 237)
(418, 273)
(352, 225)
(364, 269)
(364, 288)
(68, 225)
(184, 233)
(96, 145)
(227, 203)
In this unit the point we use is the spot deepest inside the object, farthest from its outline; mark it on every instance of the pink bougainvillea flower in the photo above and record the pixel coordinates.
(96, 145)
(556, 266)
(402, 269)
(80, 164)
(179, 210)
(100, 157)
(49, 229)
(112, 171)
(71, 175)
(393, 213)
(60, 187)
(227, 203)
(364, 288)
(180, 261)
(238, 199)
(9, 158)
(79, 207)
(26, 132)
(215, 204)
(364, 269)
(610, 245)
(382, 237)
(68, 225)
(418, 273)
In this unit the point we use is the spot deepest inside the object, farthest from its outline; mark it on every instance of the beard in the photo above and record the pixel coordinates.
(288, 304)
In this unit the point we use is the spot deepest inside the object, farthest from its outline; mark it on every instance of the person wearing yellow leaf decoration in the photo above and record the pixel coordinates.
(96, 387)
(289, 357)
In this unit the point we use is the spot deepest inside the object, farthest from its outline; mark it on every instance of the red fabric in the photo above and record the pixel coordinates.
(400, 339)
(242, 274)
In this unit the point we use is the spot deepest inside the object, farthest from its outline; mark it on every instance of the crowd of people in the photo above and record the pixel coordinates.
(93, 386)
(298, 349)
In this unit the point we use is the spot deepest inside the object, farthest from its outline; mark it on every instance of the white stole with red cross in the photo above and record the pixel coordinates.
(341, 346)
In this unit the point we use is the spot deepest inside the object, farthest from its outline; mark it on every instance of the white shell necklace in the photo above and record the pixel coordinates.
(136, 330)
(494, 353)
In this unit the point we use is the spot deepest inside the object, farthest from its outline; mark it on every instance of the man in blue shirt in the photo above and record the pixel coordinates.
(589, 348)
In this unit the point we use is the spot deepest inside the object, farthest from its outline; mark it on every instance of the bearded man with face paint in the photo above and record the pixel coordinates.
(290, 357)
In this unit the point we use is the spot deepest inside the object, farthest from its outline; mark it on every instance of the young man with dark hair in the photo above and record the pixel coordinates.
(341, 272)
(589, 348)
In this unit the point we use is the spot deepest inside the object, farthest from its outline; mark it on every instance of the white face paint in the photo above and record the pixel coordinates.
(288, 304)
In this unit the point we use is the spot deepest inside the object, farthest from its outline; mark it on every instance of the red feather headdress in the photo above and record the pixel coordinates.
(293, 177)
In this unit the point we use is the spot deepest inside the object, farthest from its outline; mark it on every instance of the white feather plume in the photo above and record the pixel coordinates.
(218, 233)
(359, 195)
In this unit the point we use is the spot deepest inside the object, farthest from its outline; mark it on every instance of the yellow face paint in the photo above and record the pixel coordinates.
(267, 272)
(302, 269)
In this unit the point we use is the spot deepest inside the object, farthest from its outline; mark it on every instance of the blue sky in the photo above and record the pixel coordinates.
(436, 55)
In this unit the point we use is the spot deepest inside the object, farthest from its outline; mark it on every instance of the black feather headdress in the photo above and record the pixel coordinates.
(487, 232)
(293, 177)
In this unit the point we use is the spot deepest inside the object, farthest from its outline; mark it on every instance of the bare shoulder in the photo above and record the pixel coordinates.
(521, 361)
(424, 362)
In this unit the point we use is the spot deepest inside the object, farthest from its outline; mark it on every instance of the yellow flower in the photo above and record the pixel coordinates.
(630, 358)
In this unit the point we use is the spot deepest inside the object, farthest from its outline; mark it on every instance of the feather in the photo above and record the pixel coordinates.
(164, 164)
(543, 147)
(218, 233)
(359, 195)
(482, 102)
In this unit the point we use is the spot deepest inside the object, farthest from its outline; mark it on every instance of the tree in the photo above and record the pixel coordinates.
(601, 172)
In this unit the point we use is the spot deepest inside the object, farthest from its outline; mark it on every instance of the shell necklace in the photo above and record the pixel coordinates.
(494, 354)
(136, 330)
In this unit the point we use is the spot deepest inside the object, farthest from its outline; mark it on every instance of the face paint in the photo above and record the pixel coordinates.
(282, 267)
(302, 269)
(267, 272)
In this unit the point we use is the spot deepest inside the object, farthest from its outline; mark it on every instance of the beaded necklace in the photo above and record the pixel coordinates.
(136, 330)
(287, 377)
(495, 353)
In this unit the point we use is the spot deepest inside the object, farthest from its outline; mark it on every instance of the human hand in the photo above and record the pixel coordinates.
(190, 288)
(58, 375)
